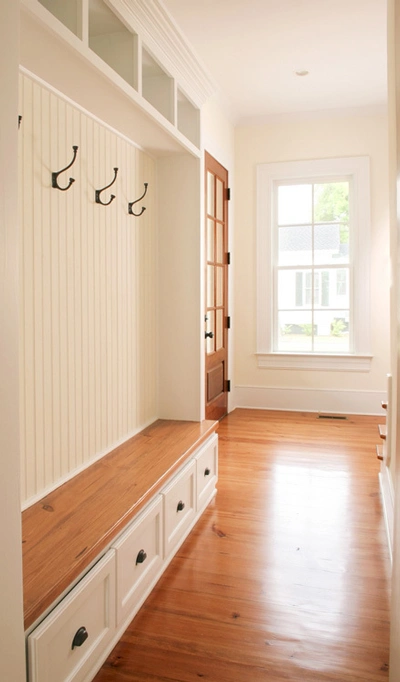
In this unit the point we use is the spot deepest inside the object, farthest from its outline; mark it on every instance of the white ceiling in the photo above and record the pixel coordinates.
(252, 48)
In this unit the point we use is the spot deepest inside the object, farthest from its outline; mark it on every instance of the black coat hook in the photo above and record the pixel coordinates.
(146, 184)
(98, 191)
(54, 175)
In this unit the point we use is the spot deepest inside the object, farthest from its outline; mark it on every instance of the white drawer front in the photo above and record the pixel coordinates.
(139, 559)
(90, 605)
(179, 507)
(206, 471)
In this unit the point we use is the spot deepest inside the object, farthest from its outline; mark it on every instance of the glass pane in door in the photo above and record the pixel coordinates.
(219, 286)
(210, 239)
(220, 200)
(210, 286)
(219, 246)
(210, 194)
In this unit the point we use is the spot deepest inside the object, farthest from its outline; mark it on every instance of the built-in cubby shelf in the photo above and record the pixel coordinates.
(113, 42)
(157, 86)
(188, 118)
(104, 33)
(68, 13)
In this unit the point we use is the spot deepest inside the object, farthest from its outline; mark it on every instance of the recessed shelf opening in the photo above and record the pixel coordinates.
(69, 13)
(157, 86)
(112, 41)
(188, 118)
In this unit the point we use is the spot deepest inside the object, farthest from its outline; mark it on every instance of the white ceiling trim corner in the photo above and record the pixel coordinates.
(166, 42)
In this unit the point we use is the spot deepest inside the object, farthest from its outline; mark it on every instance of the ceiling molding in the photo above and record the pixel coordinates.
(163, 38)
(318, 114)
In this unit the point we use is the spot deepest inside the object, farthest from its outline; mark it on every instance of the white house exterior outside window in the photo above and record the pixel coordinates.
(313, 228)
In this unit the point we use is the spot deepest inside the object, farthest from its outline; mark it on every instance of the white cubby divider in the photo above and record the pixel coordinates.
(157, 86)
(188, 118)
(68, 13)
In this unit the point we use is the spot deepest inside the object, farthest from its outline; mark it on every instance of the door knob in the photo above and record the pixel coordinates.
(209, 335)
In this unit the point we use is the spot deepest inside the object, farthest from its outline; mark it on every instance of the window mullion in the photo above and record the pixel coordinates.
(275, 268)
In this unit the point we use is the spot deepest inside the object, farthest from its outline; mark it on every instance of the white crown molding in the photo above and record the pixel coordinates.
(163, 38)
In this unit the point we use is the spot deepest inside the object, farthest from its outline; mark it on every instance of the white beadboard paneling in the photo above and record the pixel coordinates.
(88, 291)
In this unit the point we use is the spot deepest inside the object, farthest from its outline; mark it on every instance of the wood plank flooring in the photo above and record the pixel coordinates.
(286, 576)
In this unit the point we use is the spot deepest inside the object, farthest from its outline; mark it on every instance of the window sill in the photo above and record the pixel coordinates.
(314, 361)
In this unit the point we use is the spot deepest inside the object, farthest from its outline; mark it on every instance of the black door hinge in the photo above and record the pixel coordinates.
(228, 322)
(228, 193)
(228, 257)
(228, 385)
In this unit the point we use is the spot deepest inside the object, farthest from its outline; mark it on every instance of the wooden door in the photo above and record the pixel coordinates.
(216, 318)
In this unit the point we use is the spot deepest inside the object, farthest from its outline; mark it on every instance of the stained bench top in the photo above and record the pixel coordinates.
(66, 530)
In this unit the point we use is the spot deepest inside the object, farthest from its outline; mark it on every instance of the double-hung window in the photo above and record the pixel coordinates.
(313, 264)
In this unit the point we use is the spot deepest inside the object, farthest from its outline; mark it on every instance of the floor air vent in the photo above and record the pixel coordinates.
(331, 416)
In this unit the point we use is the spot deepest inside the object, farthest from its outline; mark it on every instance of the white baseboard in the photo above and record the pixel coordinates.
(387, 492)
(309, 400)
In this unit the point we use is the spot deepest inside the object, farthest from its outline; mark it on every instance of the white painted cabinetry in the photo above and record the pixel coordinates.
(139, 557)
(179, 507)
(73, 641)
(68, 644)
(206, 471)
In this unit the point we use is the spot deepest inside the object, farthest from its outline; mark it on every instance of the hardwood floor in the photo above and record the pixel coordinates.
(286, 575)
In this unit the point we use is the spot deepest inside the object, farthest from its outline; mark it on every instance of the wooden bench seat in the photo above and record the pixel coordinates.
(69, 528)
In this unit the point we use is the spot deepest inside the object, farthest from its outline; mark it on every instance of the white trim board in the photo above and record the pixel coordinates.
(387, 495)
(310, 400)
(356, 169)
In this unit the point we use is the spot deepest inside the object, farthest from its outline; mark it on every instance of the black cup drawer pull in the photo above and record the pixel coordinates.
(142, 556)
(181, 506)
(80, 637)
(207, 472)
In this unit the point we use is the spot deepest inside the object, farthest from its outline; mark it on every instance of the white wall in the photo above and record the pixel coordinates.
(12, 659)
(179, 301)
(394, 139)
(181, 243)
(394, 157)
(290, 140)
(218, 134)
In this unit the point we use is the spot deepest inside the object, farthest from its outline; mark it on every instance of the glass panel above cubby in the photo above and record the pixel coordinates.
(157, 86)
(68, 12)
(112, 41)
(188, 119)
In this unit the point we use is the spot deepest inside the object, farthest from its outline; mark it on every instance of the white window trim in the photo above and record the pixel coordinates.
(267, 173)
